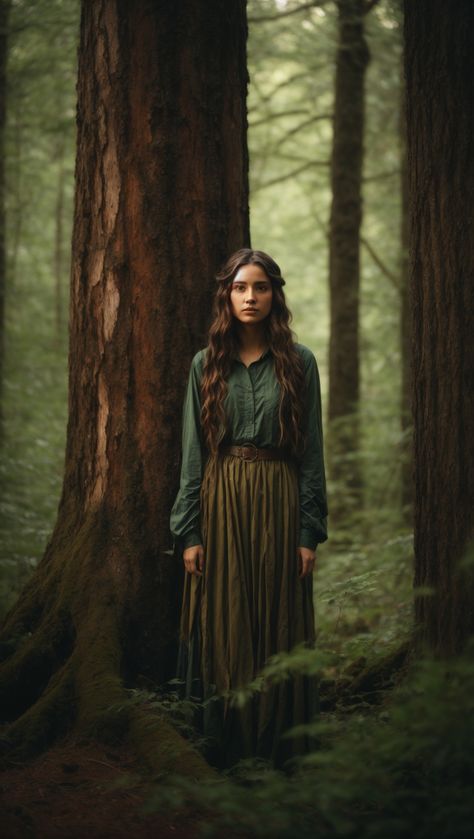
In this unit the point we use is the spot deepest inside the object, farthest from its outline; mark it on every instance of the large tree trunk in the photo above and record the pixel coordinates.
(4, 16)
(161, 200)
(440, 112)
(344, 255)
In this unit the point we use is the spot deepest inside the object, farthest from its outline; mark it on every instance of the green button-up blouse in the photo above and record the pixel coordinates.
(251, 404)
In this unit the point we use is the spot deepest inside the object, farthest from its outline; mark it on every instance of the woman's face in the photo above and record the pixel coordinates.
(251, 294)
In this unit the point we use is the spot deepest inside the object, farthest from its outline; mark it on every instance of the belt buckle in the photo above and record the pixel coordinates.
(246, 457)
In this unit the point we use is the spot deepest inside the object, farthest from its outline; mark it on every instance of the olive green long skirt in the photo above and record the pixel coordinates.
(249, 604)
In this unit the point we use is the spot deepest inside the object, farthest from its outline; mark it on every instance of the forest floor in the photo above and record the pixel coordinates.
(83, 791)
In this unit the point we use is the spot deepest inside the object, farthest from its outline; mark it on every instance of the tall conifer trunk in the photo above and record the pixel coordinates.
(161, 200)
(344, 255)
(440, 113)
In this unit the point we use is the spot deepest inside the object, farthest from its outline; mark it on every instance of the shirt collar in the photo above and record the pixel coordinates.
(268, 351)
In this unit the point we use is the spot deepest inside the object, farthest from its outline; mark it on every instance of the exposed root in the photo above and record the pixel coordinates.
(163, 750)
(86, 694)
(100, 709)
(65, 647)
(383, 673)
(99, 686)
(20, 622)
(49, 718)
(366, 683)
(26, 673)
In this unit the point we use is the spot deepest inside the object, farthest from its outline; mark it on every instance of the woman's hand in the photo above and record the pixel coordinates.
(194, 560)
(306, 560)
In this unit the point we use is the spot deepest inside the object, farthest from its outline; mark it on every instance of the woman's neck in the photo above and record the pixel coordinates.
(252, 337)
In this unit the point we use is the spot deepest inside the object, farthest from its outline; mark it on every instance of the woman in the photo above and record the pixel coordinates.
(250, 511)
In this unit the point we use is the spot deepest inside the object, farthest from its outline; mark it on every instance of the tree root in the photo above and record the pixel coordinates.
(162, 750)
(65, 646)
(26, 673)
(362, 683)
(85, 694)
(46, 720)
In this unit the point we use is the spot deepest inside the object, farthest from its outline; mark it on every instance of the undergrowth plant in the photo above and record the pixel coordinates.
(405, 768)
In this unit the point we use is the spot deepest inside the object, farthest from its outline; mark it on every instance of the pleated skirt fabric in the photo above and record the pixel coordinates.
(249, 605)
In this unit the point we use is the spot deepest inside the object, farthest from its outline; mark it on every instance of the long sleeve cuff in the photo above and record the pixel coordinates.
(193, 537)
(311, 537)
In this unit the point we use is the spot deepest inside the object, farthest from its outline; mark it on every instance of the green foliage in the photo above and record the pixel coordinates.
(40, 164)
(406, 769)
(364, 596)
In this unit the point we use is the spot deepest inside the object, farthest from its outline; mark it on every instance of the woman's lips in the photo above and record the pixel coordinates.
(250, 310)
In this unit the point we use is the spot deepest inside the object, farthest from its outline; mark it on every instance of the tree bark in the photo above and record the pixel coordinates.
(344, 255)
(161, 200)
(440, 111)
(4, 17)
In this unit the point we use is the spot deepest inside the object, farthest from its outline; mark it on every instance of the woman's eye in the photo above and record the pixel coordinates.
(258, 288)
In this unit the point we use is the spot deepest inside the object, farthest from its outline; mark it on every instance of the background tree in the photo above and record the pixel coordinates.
(440, 110)
(161, 199)
(344, 261)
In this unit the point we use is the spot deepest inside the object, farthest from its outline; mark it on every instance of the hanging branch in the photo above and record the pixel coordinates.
(300, 127)
(323, 226)
(388, 273)
(304, 74)
(296, 158)
(278, 115)
(279, 15)
(292, 174)
(380, 176)
(267, 97)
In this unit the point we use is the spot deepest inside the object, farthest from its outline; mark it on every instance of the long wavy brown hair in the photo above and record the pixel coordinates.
(223, 343)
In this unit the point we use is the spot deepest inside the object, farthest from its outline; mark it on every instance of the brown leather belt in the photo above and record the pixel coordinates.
(250, 452)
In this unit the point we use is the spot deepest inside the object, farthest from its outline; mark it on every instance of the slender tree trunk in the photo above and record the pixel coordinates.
(161, 200)
(344, 255)
(4, 16)
(440, 115)
(406, 420)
